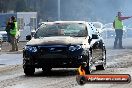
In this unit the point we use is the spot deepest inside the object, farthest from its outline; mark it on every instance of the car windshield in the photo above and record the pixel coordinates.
(62, 29)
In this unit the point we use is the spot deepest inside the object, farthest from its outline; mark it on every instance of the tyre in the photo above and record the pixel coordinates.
(87, 68)
(29, 71)
(103, 66)
(100, 67)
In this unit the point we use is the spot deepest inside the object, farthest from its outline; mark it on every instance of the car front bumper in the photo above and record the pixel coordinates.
(64, 58)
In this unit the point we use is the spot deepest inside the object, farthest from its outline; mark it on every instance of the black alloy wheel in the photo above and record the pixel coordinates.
(87, 68)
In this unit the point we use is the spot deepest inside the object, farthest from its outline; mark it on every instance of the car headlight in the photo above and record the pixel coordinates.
(73, 48)
(31, 48)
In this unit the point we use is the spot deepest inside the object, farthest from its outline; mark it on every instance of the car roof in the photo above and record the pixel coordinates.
(55, 22)
(70, 22)
(46, 23)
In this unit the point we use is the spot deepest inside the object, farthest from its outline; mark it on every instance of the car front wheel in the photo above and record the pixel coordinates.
(89, 64)
(29, 71)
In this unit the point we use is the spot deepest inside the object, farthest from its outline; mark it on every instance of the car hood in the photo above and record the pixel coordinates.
(57, 41)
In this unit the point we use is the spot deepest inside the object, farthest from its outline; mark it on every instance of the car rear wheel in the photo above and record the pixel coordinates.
(100, 67)
(29, 71)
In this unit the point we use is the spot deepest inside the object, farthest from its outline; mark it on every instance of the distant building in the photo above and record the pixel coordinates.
(27, 21)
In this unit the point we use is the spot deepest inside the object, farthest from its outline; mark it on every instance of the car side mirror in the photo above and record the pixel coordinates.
(94, 36)
(28, 37)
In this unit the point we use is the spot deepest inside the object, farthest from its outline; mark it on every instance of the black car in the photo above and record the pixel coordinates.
(64, 44)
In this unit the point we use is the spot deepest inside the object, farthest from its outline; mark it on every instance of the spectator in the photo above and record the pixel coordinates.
(14, 34)
(118, 26)
(7, 29)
